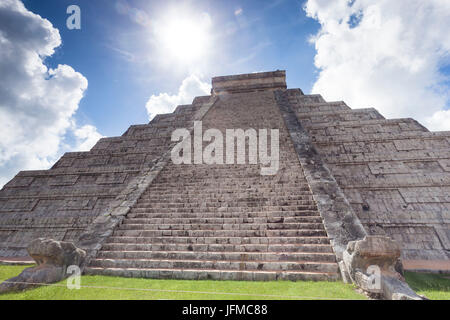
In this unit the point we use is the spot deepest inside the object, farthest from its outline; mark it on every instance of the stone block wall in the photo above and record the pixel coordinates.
(251, 82)
(61, 202)
(395, 173)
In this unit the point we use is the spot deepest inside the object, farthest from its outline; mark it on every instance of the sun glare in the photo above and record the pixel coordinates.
(184, 39)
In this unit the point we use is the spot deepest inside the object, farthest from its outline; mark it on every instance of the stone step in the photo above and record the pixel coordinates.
(255, 189)
(170, 220)
(232, 226)
(286, 160)
(176, 198)
(243, 173)
(242, 179)
(234, 197)
(230, 182)
(224, 221)
(205, 274)
(142, 213)
(238, 177)
(219, 256)
(229, 194)
(217, 204)
(279, 248)
(238, 192)
(297, 241)
(220, 233)
(144, 209)
(238, 265)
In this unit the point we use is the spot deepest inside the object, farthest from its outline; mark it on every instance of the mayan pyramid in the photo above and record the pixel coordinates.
(343, 173)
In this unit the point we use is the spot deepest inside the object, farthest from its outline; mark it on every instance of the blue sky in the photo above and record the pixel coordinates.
(272, 35)
(61, 90)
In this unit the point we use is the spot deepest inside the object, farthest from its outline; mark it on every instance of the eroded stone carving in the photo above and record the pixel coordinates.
(371, 264)
(52, 258)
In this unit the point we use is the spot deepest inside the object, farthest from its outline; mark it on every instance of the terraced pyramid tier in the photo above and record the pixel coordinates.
(138, 214)
(225, 221)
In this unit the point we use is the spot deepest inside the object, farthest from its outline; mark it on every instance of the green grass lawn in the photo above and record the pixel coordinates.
(130, 288)
(433, 286)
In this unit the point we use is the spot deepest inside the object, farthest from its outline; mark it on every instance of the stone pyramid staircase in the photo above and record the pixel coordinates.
(137, 214)
(225, 221)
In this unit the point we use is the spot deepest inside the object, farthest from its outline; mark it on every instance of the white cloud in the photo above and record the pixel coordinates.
(439, 121)
(86, 136)
(37, 104)
(191, 87)
(384, 54)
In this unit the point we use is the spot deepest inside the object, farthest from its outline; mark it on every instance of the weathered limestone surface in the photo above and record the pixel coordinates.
(344, 174)
(341, 224)
(371, 264)
(62, 202)
(229, 222)
(262, 81)
(103, 225)
(394, 173)
(52, 258)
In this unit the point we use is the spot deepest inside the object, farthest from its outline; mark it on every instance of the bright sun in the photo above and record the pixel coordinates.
(183, 39)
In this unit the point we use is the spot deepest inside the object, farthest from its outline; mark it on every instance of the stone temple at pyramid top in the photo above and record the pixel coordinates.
(260, 81)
